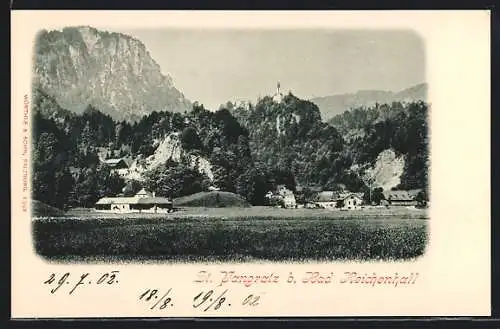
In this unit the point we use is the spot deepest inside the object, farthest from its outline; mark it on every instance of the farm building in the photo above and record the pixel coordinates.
(118, 166)
(400, 198)
(328, 199)
(331, 200)
(143, 201)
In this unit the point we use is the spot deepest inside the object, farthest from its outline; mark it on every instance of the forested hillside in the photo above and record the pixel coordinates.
(67, 171)
(291, 137)
(401, 127)
(250, 149)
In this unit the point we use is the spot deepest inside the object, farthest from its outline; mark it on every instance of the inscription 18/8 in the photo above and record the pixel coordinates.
(152, 294)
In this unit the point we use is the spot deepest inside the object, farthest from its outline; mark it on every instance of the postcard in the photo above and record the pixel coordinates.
(250, 164)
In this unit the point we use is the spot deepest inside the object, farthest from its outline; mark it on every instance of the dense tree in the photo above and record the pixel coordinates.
(422, 198)
(63, 183)
(94, 183)
(51, 178)
(306, 195)
(131, 187)
(340, 203)
(253, 185)
(374, 197)
(175, 180)
(190, 139)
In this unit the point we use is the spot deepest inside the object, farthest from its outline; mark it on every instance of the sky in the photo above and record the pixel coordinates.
(216, 66)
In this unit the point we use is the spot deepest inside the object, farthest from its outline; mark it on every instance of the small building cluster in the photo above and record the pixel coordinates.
(344, 200)
(118, 166)
(142, 202)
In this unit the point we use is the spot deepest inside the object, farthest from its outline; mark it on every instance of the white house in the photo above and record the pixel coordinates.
(352, 201)
(288, 196)
(290, 201)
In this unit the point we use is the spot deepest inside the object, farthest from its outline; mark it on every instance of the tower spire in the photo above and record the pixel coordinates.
(278, 97)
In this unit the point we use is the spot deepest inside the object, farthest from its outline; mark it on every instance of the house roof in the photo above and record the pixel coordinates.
(328, 196)
(134, 200)
(332, 196)
(354, 195)
(414, 192)
(300, 188)
(115, 162)
(144, 192)
(142, 197)
(117, 200)
(398, 195)
(112, 161)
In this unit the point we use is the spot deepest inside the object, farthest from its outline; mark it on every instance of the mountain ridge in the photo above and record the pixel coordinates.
(333, 105)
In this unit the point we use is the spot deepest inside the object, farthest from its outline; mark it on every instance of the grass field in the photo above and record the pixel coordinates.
(234, 234)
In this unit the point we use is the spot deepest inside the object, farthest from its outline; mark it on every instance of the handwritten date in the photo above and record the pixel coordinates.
(57, 281)
(207, 300)
(152, 295)
(218, 301)
(204, 300)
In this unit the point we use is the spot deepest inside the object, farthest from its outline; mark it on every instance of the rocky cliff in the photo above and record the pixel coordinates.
(81, 66)
(168, 148)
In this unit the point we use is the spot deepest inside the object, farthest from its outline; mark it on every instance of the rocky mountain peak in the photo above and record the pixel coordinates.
(113, 72)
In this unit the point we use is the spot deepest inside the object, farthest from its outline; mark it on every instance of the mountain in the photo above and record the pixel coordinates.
(81, 66)
(330, 106)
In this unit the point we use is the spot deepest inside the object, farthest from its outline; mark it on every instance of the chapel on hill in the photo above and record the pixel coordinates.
(278, 97)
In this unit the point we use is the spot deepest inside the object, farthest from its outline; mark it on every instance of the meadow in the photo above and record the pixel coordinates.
(235, 235)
